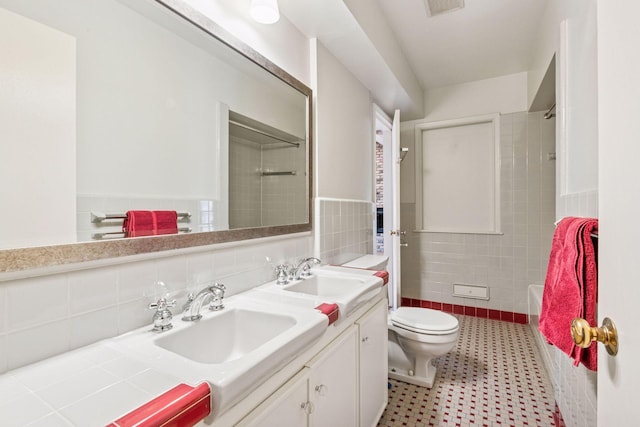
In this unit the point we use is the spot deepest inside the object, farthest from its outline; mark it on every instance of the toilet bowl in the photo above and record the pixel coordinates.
(416, 337)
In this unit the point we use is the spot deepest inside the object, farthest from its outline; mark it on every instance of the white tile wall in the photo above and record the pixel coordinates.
(506, 263)
(51, 314)
(344, 229)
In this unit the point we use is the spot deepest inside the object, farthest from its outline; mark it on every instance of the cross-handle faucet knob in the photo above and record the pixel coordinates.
(217, 303)
(163, 316)
(282, 274)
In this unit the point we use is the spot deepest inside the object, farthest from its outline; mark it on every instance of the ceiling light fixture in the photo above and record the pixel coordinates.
(437, 7)
(265, 11)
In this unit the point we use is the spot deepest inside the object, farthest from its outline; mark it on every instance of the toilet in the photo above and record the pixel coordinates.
(416, 335)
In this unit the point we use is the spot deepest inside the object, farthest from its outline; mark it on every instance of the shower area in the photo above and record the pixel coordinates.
(267, 178)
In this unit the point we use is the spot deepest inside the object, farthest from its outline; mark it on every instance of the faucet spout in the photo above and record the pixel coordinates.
(302, 270)
(215, 293)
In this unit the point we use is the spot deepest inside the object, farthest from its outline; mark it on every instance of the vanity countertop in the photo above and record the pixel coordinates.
(91, 386)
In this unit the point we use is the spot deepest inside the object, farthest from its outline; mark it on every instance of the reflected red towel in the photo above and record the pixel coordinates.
(570, 288)
(150, 223)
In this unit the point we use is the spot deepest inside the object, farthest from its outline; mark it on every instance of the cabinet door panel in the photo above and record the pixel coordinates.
(285, 408)
(373, 365)
(333, 384)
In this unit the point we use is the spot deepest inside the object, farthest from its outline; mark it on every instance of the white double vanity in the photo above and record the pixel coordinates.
(269, 357)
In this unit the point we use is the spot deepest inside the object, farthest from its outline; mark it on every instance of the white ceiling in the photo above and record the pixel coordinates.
(398, 52)
(487, 38)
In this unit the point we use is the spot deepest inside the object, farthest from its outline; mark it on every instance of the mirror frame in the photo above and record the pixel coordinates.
(15, 260)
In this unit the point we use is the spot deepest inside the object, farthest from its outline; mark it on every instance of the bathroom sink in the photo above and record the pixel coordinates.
(326, 286)
(234, 349)
(229, 336)
(346, 287)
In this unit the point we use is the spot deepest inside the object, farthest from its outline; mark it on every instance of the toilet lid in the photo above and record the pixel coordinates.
(424, 320)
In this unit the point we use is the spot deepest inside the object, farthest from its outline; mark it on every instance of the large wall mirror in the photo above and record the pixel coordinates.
(108, 106)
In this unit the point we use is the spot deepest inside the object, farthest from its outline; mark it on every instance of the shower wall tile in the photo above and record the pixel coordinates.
(506, 263)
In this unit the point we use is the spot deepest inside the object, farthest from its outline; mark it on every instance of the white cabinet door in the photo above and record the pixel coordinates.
(333, 384)
(287, 407)
(373, 364)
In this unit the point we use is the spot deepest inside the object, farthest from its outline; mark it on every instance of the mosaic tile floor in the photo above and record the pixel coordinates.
(494, 377)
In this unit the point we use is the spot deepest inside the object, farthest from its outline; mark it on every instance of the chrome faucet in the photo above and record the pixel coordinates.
(302, 270)
(194, 304)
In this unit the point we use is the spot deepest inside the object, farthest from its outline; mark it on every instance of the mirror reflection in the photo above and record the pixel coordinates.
(111, 106)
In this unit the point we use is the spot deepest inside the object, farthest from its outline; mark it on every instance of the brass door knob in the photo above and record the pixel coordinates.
(583, 334)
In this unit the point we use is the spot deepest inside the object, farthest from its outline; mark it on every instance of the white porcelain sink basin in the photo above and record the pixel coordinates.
(228, 336)
(327, 286)
(346, 287)
(234, 349)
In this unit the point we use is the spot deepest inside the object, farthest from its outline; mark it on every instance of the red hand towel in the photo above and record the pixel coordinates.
(150, 223)
(570, 288)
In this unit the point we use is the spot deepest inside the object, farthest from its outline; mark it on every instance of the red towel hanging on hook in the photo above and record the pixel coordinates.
(571, 287)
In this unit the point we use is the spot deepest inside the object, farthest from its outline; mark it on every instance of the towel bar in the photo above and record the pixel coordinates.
(101, 216)
(98, 236)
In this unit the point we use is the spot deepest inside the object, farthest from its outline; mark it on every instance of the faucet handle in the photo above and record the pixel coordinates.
(218, 295)
(282, 274)
(161, 304)
(163, 316)
(306, 270)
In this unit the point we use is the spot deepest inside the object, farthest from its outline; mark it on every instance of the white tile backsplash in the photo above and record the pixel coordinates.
(344, 229)
(47, 315)
(89, 327)
(37, 301)
(92, 290)
(30, 345)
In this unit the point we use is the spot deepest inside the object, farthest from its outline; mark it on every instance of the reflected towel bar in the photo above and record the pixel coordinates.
(101, 216)
(279, 173)
(97, 236)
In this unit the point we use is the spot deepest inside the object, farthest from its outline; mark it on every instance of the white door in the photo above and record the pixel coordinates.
(619, 207)
(393, 235)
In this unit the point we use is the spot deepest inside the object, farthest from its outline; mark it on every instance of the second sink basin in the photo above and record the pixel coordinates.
(326, 286)
(228, 336)
(346, 287)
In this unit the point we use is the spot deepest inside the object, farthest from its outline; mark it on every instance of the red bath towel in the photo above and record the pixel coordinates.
(570, 289)
(150, 223)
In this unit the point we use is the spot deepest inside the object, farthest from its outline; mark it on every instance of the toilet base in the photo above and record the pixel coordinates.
(415, 379)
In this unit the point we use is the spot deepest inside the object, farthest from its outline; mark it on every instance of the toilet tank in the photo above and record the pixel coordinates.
(369, 262)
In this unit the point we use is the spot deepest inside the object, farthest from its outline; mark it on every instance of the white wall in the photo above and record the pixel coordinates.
(38, 132)
(576, 94)
(504, 94)
(343, 165)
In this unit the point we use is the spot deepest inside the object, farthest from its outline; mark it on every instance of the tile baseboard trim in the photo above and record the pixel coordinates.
(485, 313)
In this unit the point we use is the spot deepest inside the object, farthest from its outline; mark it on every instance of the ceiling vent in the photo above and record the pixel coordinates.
(438, 7)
